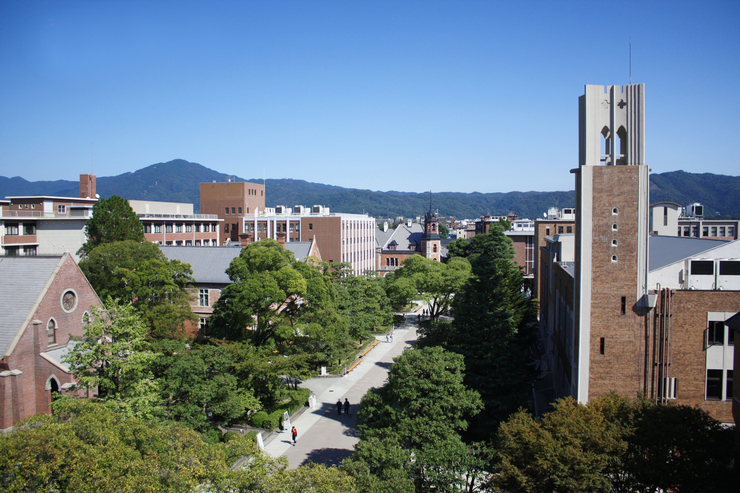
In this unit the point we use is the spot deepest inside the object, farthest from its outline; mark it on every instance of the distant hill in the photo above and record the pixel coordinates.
(179, 181)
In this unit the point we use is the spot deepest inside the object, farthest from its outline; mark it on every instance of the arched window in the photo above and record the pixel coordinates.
(51, 331)
(434, 248)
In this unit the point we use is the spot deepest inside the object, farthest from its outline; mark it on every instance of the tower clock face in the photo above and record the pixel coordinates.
(69, 301)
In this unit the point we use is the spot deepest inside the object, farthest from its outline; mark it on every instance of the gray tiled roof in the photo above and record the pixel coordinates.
(22, 280)
(666, 250)
(406, 237)
(209, 263)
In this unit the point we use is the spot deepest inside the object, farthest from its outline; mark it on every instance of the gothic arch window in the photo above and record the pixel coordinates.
(606, 145)
(434, 248)
(434, 227)
(51, 331)
(622, 145)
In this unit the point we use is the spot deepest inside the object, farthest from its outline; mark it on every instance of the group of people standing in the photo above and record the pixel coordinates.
(345, 406)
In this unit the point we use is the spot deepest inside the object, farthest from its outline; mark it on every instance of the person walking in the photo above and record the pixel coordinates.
(346, 406)
(294, 433)
(339, 407)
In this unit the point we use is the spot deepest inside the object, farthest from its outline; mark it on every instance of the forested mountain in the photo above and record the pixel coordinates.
(178, 181)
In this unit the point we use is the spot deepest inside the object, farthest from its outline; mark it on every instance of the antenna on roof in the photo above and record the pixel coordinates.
(630, 60)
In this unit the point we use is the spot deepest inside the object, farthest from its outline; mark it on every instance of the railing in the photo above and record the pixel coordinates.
(147, 215)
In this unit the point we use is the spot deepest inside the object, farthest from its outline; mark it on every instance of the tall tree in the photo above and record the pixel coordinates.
(493, 330)
(363, 303)
(114, 358)
(113, 219)
(438, 282)
(139, 273)
(410, 426)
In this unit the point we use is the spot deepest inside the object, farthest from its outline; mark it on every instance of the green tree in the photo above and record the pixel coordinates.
(438, 282)
(266, 296)
(113, 356)
(113, 219)
(493, 330)
(140, 274)
(198, 385)
(410, 427)
(86, 448)
(444, 231)
(363, 303)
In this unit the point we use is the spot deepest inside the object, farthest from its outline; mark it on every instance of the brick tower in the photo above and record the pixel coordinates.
(612, 196)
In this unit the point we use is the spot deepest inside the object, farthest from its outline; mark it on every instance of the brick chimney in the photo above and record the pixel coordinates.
(87, 186)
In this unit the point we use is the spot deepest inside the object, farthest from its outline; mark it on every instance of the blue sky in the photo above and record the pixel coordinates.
(411, 96)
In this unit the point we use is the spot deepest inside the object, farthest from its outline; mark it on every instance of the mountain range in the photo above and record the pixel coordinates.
(179, 181)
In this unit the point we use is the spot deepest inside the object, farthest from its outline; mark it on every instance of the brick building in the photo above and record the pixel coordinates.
(624, 311)
(209, 266)
(341, 237)
(172, 223)
(46, 300)
(231, 202)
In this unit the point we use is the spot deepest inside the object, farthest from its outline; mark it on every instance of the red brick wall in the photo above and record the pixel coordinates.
(619, 368)
(688, 322)
(25, 395)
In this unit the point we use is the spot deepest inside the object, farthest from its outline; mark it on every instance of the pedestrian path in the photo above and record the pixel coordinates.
(324, 436)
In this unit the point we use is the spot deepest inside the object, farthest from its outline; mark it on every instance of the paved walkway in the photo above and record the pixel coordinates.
(324, 437)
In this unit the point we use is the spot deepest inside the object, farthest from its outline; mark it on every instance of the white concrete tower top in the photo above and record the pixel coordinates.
(612, 125)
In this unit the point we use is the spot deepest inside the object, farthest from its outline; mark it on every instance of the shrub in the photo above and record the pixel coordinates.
(212, 436)
(229, 436)
(258, 419)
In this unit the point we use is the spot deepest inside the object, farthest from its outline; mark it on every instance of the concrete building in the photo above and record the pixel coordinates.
(172, 223)
(46, 300)
(231, 202)
(340, 237)
(670, 219)
(622, 311)
(46, 225)
(555, 222)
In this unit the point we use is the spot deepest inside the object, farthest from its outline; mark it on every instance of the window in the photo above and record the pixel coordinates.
(547, 231)
(240, 210)
(226, 228)
(729, 268)
(602, 347)
(695, 231)
(615, 211)
(29, 251)
(178, 242)
(705, 231)
(731, 231)
(157, 228)
(168, 228)
(247, 210)
(310, 226)
(188, 243)
(714, 385)
(615, 243)
(61, 209)
(51, 331)
(702, 267)
(560, 230)
(202, 324)
(233, 210)
(234, 228)
(197, 242)
(714, 230)
(715, 334)
(569, 229)
(203, 298)
(147, 228)
(614, 259)
(615, 227)
(624, 305)
(189, 228)
(722, 231)
(227, 210)
(11, 229)
(728, 387)
(686, 231)
(178, 228)
(665, 216)
(670, 388)
(168, 243)
(29, 229)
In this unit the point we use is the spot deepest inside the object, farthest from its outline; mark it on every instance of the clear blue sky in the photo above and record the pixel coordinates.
(411, 96)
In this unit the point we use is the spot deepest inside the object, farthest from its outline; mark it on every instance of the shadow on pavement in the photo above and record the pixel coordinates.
(327, 456)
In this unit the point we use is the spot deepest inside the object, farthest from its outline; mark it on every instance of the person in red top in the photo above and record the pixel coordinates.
(294, 432)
